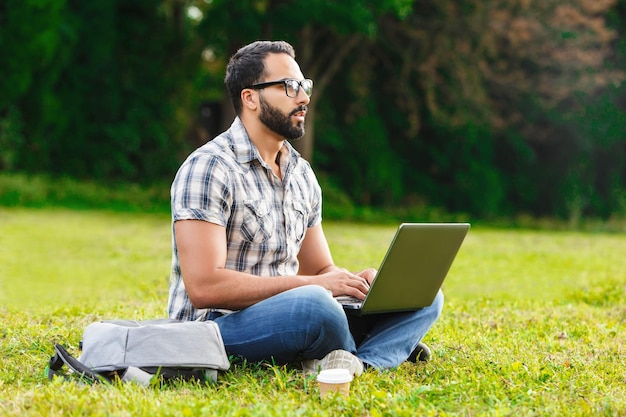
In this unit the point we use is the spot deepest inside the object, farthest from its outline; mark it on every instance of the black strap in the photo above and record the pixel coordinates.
(62, 357)
(85, 374)
(185, 374)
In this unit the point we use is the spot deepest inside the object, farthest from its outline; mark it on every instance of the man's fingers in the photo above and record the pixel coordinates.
(360, 284)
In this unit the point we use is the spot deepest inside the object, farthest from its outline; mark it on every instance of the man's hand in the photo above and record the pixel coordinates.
(369, 274)
(342, 282)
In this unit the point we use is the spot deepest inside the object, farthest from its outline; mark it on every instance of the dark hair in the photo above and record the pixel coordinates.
(247, 66)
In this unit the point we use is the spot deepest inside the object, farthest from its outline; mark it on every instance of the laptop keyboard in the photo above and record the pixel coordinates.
(348, 299)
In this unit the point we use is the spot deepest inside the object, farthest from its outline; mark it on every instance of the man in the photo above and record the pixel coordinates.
(249, 251)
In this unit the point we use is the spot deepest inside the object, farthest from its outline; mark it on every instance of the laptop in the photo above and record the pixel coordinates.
(413, 270)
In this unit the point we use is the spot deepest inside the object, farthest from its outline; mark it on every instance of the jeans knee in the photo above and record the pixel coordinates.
(317, 300)
(317, 305)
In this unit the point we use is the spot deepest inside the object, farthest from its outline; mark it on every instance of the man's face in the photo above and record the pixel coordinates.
(280, 123)
(282, 114)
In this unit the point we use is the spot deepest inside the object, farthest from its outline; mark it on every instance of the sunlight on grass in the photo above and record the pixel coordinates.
(503, 264)
(55, 257)
(533, 324)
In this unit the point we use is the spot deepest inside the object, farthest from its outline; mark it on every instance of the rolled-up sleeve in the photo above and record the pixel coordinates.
(200, 191)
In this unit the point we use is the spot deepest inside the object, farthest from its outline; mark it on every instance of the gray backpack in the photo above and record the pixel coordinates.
(138, 350)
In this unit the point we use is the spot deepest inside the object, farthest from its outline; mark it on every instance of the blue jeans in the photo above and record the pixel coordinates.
(307, 323)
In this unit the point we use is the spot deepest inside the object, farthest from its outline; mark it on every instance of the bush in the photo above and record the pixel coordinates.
(45, 191)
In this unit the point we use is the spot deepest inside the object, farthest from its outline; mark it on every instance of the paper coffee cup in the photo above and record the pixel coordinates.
(337, 380)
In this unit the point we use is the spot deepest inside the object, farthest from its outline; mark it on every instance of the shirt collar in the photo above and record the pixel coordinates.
(245, 151)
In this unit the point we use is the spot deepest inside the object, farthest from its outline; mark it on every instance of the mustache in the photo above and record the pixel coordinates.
(298, 110)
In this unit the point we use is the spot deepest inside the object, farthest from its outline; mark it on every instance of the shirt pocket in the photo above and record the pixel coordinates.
(258, 223)
(300, 219)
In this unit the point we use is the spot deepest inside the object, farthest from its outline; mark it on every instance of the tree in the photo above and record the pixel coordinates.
(323, 33)
(516, 70)
(31, 54)
(98, 90)
(485, 107)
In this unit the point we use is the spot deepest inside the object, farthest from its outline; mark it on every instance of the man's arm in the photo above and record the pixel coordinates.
(202, 255)
(315, 258)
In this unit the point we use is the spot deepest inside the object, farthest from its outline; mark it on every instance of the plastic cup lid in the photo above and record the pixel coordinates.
(334, 376)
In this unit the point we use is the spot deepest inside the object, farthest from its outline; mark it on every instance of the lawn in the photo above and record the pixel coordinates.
(534, 324)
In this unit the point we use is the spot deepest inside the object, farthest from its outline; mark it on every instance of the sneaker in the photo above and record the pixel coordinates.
(335, 359)
(420, 354)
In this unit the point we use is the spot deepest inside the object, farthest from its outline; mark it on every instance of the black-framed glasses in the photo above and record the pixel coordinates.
(292, 87)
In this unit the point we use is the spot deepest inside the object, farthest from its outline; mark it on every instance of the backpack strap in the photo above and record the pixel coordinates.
(62, 357)
(136, 375)
(141, 376)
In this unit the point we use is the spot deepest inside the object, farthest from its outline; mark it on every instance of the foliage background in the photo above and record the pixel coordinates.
(488, 108)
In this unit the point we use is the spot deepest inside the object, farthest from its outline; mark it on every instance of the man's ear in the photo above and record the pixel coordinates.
(249, 99)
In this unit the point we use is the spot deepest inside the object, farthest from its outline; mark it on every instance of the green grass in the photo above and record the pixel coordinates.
(534, 324)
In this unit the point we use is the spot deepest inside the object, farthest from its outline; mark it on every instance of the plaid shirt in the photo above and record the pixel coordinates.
(227, 183)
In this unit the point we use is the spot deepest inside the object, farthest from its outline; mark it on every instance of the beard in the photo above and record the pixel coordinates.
(280, 123)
